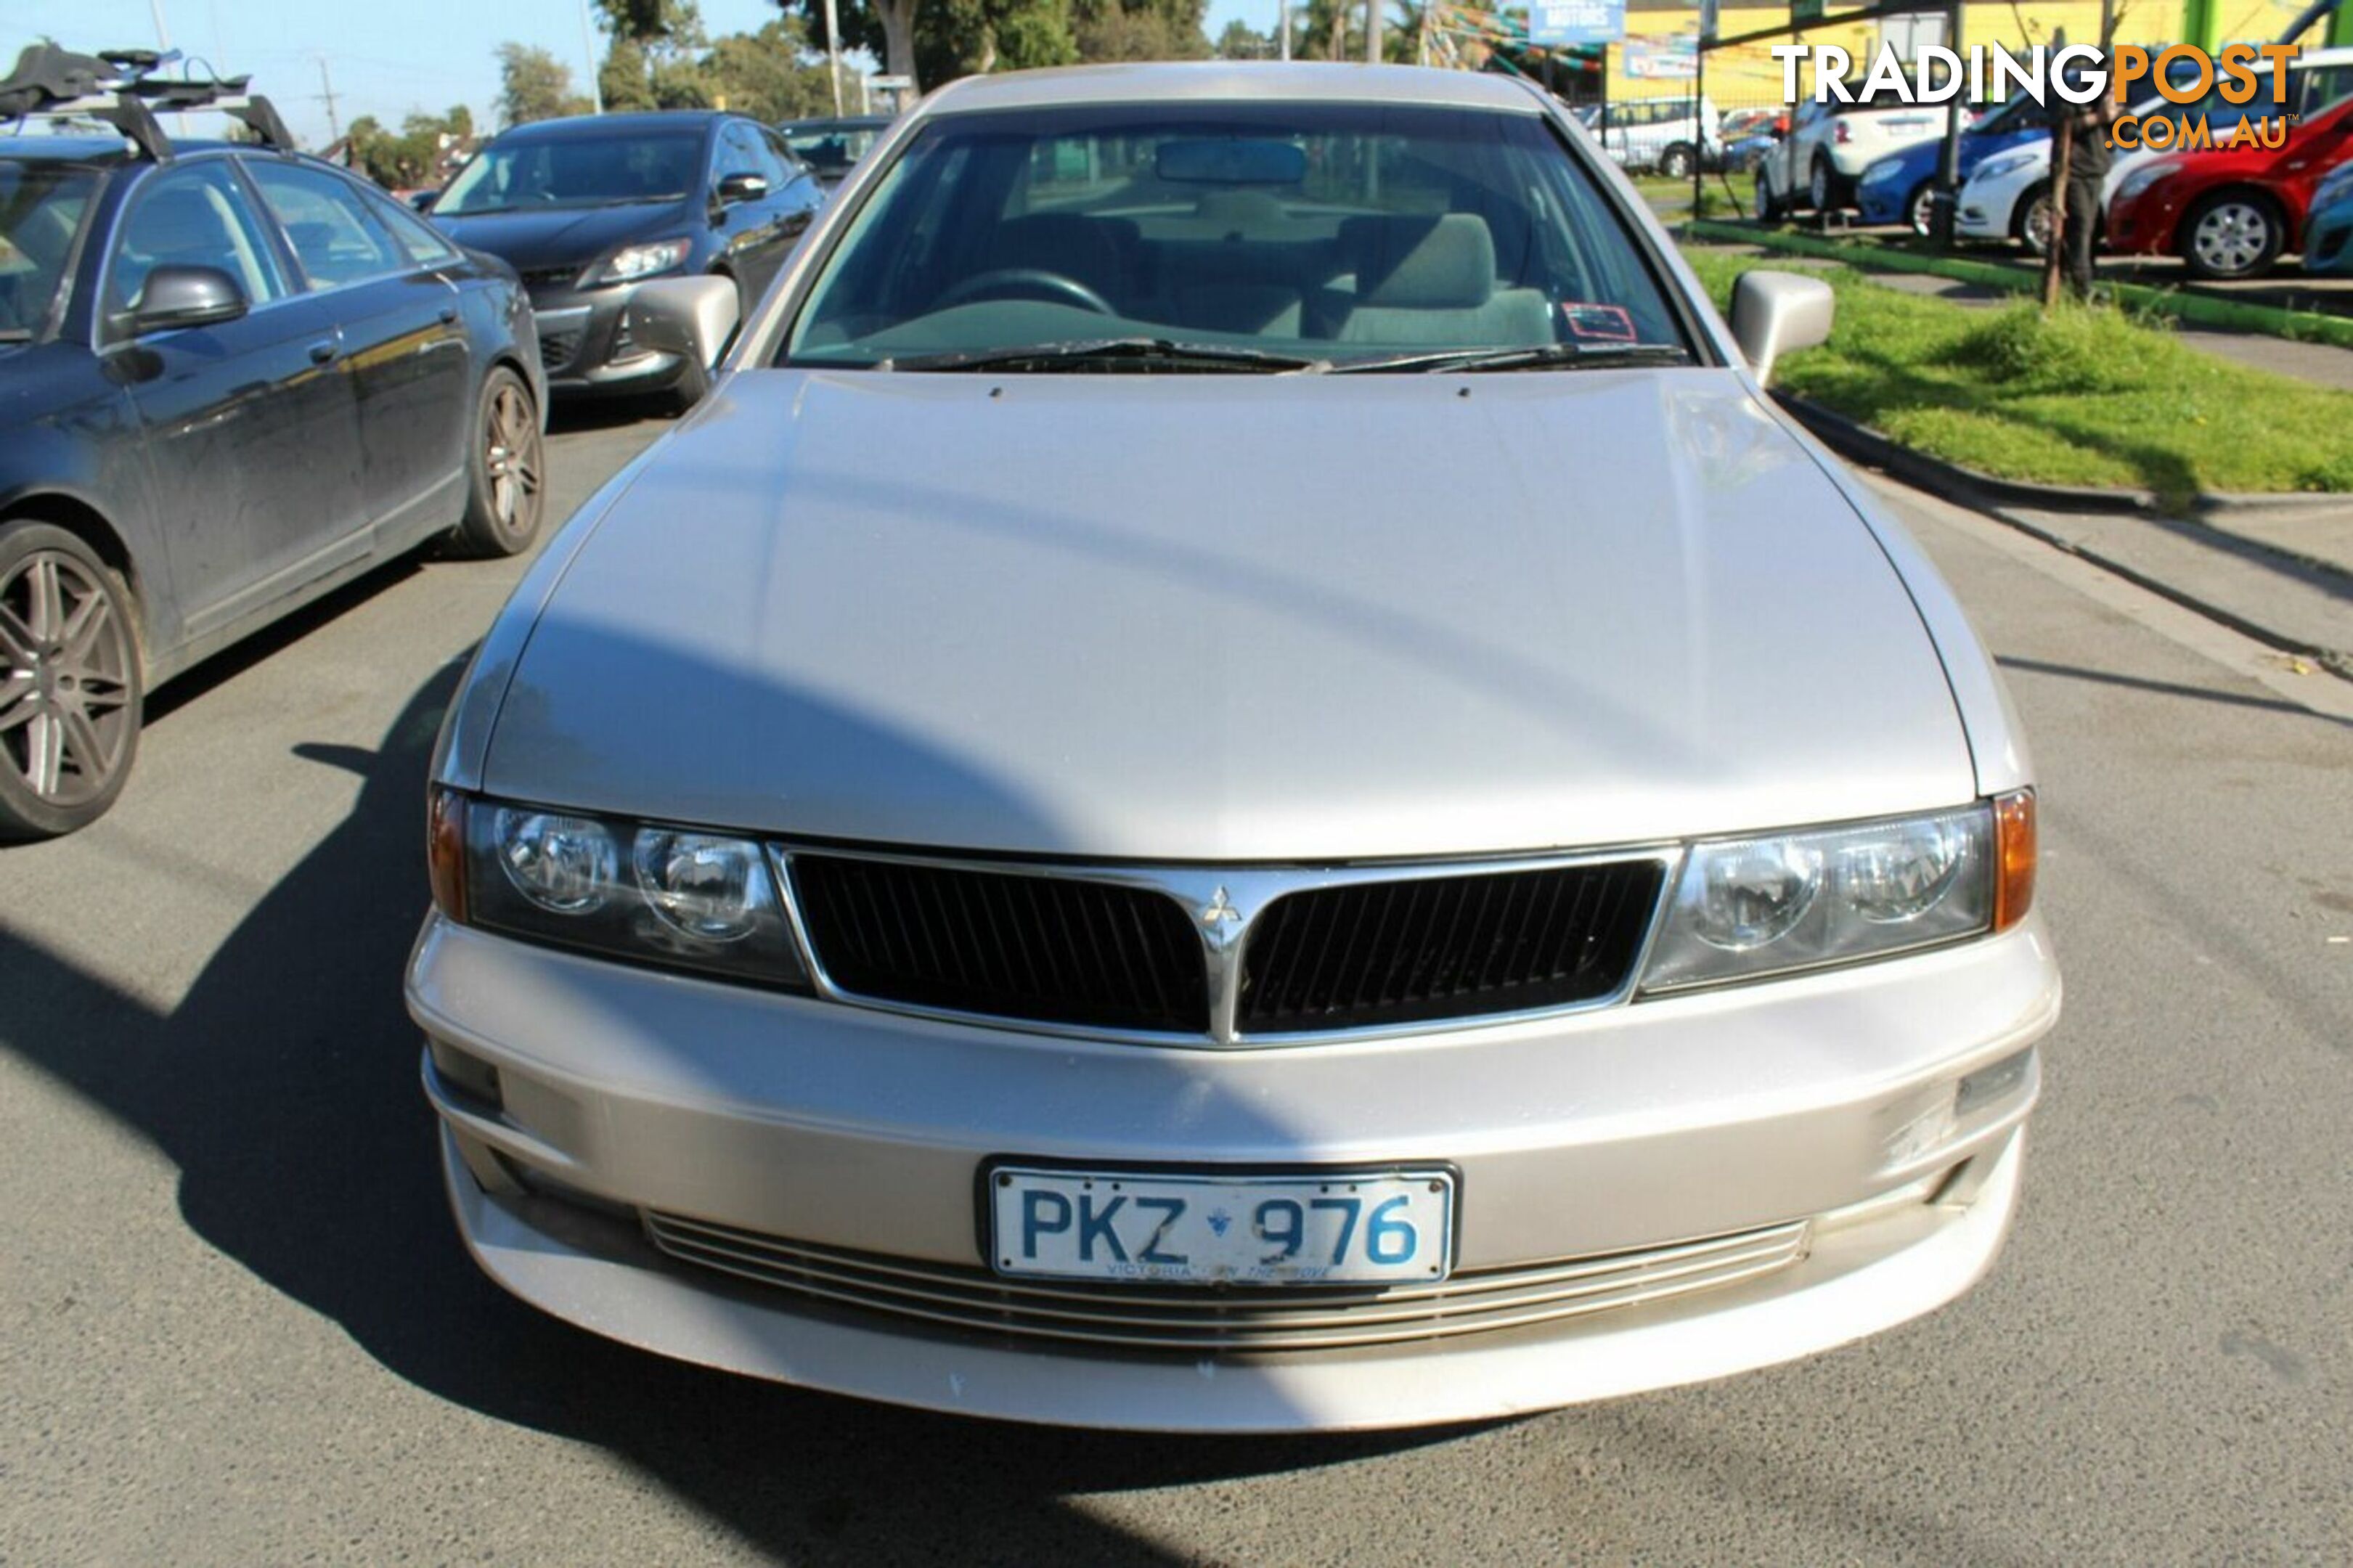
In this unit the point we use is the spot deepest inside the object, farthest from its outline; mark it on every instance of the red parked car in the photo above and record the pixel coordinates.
(2228, 213)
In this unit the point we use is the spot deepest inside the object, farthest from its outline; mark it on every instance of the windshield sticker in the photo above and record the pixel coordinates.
(1590, 323)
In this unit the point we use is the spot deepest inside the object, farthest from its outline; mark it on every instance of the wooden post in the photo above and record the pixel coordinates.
(2062, 144)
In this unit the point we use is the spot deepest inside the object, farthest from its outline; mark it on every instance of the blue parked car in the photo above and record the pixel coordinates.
(2328, 230)
(1896, 189)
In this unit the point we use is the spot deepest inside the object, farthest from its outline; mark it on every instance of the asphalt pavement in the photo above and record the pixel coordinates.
(239, 1328)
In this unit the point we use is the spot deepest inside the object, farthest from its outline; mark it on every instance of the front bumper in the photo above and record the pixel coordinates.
(621, 1093)
(584, 344)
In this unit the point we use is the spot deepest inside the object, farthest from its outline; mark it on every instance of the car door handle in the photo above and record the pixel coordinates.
(324, 350)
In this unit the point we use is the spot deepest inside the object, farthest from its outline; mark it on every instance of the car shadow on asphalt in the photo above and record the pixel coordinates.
(284, 1086)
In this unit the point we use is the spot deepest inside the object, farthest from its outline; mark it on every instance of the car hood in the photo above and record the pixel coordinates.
(531, 239)
(1204, 618)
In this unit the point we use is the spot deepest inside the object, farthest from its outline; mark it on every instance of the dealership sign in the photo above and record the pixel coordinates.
(1572, 23)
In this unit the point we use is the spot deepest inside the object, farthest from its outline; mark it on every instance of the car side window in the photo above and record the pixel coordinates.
(197, 215)
(735, 155)
(415, 237)
(782, 155)
(327, 223)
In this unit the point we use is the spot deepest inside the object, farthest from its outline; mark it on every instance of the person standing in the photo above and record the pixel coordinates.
(2088, 161)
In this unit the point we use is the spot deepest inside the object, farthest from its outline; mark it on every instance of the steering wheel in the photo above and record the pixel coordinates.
(1033, 279)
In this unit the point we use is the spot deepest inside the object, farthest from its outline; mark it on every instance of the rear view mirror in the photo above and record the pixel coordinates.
(1231, 161)
(174, 297)
(693, 317)
(1774, 313)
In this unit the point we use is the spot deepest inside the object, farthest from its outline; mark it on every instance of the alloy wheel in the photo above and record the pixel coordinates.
(511, 458)
(66, 660)
(2232, 238)
(1817, 187)
(1923, 215)
(2037, 227)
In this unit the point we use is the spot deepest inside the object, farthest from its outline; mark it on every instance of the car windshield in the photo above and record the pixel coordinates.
(41, 206)
(576, 172)
(830, 149)
(1287, 234)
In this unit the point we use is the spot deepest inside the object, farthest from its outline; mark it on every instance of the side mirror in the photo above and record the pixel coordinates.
(693, 317)
(175, 297)
(1774, 313)
(733, 188)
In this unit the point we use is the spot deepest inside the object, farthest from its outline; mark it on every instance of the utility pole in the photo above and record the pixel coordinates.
(326, 95)
(588, 52)
(1372, 32)
(1283, 29)
(833, 50)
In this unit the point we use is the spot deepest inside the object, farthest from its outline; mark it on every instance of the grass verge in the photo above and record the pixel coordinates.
(2086, 397)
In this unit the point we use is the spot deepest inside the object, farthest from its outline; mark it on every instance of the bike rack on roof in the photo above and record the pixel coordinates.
(116, 87)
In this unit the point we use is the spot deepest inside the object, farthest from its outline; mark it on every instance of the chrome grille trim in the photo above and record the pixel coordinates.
(1246, 892)
(1243, 1318)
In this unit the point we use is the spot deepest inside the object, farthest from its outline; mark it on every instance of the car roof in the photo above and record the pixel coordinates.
(834, 121)
(1262, 81)
(596, 127)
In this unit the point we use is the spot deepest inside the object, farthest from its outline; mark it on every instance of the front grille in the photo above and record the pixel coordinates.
(539, 278)
(1373, 953)
(1055, 949)
(1194, 1319)
(556, 349)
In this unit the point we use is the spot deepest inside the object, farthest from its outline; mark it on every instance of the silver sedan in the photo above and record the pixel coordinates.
(1235, 779)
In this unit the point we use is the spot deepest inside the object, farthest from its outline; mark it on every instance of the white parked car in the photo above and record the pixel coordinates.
(1665, 135)
(1828, 145)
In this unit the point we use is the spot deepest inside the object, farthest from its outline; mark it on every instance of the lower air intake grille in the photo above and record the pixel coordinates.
(1445, 947)
(1200, 1318)
(1060, 950)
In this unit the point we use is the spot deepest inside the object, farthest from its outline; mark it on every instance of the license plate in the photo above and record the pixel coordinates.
(1394, 1227)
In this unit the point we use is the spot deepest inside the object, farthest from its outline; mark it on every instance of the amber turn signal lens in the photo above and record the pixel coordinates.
(2013, 832)
(445, 851)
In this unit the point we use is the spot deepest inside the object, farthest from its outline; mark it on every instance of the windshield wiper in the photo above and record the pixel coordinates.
(1543, 356)
(1144, 354)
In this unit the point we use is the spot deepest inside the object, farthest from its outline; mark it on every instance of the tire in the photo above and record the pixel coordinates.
(506, 470)
(1764, 209)
(71, 691)
(1920, 209)
(1675, 162)
(2231, 234)
(1822, 185)
(2030, 221)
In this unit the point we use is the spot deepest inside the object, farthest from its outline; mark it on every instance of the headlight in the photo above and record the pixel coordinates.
(635, 261)
(2334, 189)
(1882, 172)
(656, 895)
(2008, 164)
(1760, 905)
(2141, 179)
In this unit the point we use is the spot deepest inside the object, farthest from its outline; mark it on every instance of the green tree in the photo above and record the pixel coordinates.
(1141, 30)
(939, 40)
(769, 75)
(1241, 41)
(655, 58)
(414, 155)
(534, 84)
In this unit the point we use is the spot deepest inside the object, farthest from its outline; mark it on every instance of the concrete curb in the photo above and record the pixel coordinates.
(1993, 498)
(2309, 326)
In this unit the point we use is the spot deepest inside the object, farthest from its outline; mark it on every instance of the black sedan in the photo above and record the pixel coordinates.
(587, 208)
(231, 378)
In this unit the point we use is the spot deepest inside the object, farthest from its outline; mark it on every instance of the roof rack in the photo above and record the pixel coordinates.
(116, 86)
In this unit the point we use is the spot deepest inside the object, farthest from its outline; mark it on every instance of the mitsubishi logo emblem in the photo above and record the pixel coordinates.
(1219, 918)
